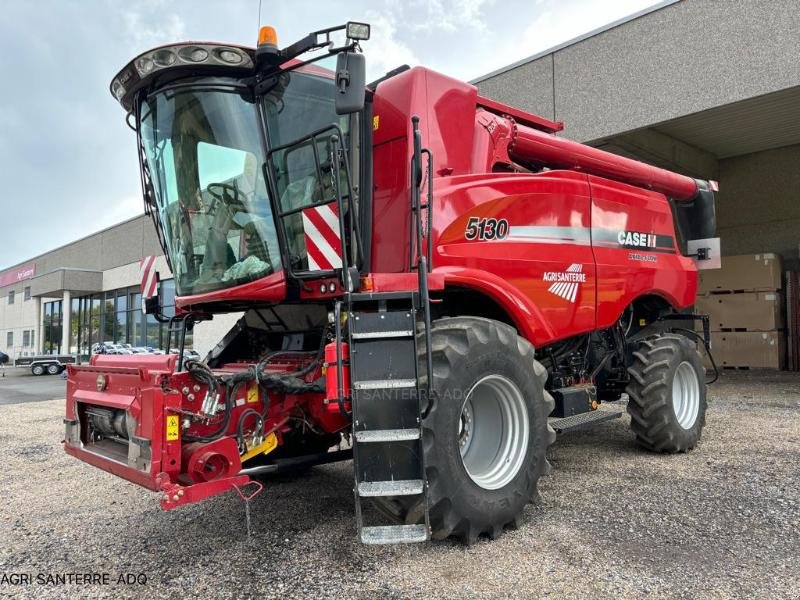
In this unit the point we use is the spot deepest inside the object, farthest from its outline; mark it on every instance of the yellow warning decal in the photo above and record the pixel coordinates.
(173, 428)
(376, 122)
(252, 393)
(268, 445)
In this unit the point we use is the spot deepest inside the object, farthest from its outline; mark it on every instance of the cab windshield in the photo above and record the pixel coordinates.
(204, 149)
(205, 156)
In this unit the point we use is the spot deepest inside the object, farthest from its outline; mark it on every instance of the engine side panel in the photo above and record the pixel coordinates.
(529, 234)
(562, 252)
(636, 253)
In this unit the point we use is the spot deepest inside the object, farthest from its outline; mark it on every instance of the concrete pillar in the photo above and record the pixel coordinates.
(66, 315)
(37, 324)
(40, 329)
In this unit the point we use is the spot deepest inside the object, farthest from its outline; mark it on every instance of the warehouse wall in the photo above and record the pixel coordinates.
(678, 60)
(758, 205)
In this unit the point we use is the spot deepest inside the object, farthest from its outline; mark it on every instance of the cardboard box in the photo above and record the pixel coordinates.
(748, 311)
(752, 349)
(746, 273)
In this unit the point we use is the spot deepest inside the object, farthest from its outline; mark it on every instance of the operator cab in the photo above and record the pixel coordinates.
(251, 163)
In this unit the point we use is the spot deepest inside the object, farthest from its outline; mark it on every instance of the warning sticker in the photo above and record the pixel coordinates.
(173, 428)
(252, 393)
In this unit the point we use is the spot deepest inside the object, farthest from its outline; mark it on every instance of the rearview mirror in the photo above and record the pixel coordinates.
(350, 82)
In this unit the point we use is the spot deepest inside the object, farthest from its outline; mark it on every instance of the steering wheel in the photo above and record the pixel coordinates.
(224, 190)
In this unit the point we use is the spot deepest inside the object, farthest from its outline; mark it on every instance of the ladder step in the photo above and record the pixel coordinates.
(401, 487)
(384, 384)
(387, 435)
(394, 534)
(366, 335)
(583, 420)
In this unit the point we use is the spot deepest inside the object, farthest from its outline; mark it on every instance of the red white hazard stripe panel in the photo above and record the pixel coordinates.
(323, 242)
(147, 276)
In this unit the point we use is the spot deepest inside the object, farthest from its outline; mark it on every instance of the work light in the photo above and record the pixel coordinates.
(357, 31)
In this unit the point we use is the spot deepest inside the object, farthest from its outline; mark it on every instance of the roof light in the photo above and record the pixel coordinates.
(144, 66)
(177, 56)
(164, 58)
(229, 56)
(267, 36)
(357, 31)
(117, 89)
(193, 54)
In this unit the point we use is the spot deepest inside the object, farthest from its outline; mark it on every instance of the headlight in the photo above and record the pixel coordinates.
(164, 58)
(117, 89)
(144, 66)
(193, 54)
(229, 56)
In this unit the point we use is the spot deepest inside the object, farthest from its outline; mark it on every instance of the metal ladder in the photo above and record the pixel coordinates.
(386, 399)
(387, 395)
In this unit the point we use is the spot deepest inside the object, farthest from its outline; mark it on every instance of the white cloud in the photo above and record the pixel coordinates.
(384, 50)
(448, 15)
(145, 31)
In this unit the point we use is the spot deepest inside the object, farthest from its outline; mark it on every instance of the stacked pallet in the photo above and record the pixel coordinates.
(745, 303)
(793, 319)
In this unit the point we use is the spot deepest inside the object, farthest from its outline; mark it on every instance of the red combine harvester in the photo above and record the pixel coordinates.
(428, 278)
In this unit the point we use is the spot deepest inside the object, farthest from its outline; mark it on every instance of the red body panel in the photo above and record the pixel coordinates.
(549, 217)
(558, 220)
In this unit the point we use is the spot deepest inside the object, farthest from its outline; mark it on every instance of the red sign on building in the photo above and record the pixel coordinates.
(17, 274)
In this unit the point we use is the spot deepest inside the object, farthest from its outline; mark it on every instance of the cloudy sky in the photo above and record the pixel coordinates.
(67, 159)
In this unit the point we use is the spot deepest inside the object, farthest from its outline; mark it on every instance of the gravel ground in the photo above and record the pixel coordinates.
(720, 522)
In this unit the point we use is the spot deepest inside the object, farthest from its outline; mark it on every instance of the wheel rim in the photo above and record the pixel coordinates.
(493, 432)
(38, 370)
(685, 395)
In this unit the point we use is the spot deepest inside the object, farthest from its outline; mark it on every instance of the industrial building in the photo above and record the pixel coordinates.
(706, 88)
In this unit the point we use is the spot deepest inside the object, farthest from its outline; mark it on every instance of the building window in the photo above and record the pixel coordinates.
(26, 338)
(27, 293)
(33, 342)
(51, 328)
(9, 340)
(116, 316)
(11, 296)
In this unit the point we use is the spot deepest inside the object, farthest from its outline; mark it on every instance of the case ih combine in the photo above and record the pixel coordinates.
(427, 274)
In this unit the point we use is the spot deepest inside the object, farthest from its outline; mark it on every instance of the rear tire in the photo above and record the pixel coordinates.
(37, 370)
(485, 432)
(667, 394)
(53, 369)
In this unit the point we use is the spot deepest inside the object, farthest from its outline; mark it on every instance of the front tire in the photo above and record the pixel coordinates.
(37, 370)
(667, 394)
(485, 432)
